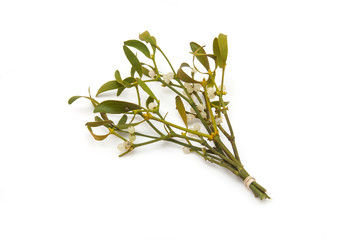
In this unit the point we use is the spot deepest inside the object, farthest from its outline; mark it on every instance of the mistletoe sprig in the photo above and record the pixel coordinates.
(199, 100)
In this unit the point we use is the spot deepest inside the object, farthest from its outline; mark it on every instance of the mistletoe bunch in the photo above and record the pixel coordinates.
(199, 100)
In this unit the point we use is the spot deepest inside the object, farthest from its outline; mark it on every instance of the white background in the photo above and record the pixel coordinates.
(293, 81)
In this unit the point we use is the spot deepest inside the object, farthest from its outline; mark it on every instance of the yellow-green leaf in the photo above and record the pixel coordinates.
(223, 47)
(148, 101)
(200, 54)
(139, 46)
(116, 107)
(111, 85)
(145, 70)
(220, 49)
(123, 119)
(128, 82)
(145, 36)
(181, 109)
(126, 125)
(217, 104)
(133, 60)
(120, 90)
(74, 98)
(98, 137)
(146, 88)
(98, 123)
(118, 77)
(216, 51)
(183, 76)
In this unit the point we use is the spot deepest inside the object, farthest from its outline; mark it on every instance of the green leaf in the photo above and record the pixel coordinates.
(98, 123)
(73, 99)
(220, 49)
(118, 77)
(97, 137)
(98, 119)
(115, 107)
(128, 82)
(111, 85)
(183, 76)
(145, 71)
(146, 88)
(139, 46)
(133, 60)
(123, 119)
(200, 54)
(181, 109)
(148, 101)
(104, 116)
(132, 71)
(120, 90)
(217, 103)
(216, 51)
(223, 47)
(126, 125)
(145, 36)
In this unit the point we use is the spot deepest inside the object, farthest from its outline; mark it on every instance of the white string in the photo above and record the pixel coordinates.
(249, 180)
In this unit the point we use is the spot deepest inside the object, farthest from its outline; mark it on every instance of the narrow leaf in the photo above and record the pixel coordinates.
(145, 36)
(148, 101)
(111, 85)
(133, 60)
(98, 119)
(104, 116)
(216, 51)
(197, 51)
(115, 107)
(146, 88)
(120, 90)
(217, 103)
(118, 77)
(128, 82)
(223, 47)
(132, 71)
(183, 76)
(98, 123)
(181, 109)
(126, 125)
(98, 137)
(73, 99)
(123, 119)
(139, 46)
(145, 71)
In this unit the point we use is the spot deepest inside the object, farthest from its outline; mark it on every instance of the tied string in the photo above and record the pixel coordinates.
(248, 180)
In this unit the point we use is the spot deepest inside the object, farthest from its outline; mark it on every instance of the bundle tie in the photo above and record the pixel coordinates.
(248, 180)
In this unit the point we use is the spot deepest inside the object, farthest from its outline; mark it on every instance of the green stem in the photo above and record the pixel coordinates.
(231, 139)
(224, 148)
(166, 59)
(198, 97)
(119, 136)
(138, 94)
(209, 110)
(151, 141)
(181, 128)
(138, 134)
(188, 138)
(153, 127)
(161, 117)
(225, 158)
